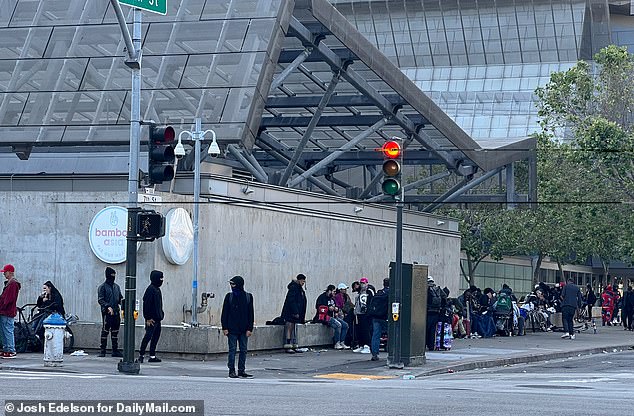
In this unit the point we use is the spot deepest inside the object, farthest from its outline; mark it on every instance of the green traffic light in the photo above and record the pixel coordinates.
(391, 187)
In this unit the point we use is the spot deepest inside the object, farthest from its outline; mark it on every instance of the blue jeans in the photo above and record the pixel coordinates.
(6, 327)
(378, 326)
(341, 329)
(242, 340)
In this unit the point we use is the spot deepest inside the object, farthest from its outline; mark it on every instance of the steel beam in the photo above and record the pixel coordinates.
(326, 121)
(347, 100)
(510, 186)
(235, 152)
(311, 127)
(293, 66)
(334, 155)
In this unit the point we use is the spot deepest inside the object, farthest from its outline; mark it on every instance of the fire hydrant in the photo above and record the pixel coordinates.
(54, 332)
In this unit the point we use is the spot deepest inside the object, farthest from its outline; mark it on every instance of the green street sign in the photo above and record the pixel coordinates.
(154, 6)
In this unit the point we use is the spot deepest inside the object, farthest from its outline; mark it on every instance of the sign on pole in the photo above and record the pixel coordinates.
(154, 6)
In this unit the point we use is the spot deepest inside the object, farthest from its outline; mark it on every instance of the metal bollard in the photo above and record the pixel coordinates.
(54, 329)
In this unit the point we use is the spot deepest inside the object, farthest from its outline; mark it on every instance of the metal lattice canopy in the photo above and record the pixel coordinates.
(297, 96)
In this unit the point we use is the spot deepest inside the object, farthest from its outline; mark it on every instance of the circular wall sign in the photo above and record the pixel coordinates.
(107, 234)
(178, 242)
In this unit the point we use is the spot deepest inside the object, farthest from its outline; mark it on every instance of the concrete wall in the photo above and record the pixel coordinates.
(267, 237)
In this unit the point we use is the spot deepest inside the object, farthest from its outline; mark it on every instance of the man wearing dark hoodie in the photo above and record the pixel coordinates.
(8, 310)
(153, 315)
(294, 312)
(109, 298)
(237, 324)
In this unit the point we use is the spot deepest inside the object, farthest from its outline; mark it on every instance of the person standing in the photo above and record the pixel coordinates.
(591, 299)
(8, 310)
(109, 298)
(436, 299)
(294, 312)
(153, 315)
(571, 299)
(378, 311)
(628, 309)
(237, 324)
(363, 322)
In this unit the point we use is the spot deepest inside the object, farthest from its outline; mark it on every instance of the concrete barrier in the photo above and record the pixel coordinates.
(178, 339)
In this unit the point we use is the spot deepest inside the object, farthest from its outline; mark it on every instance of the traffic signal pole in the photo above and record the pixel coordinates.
(127, 364)
(398, 284)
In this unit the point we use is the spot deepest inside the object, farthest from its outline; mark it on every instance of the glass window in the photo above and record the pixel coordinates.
(55, 12)
(14, 104)
(42, 74)
(6, 10)
(223, 70)
(23, 42)
(85, 41)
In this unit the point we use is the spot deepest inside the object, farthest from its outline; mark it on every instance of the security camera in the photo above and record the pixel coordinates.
(214, 149)
(179, 150)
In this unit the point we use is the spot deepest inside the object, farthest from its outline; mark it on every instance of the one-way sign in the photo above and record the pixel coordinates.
(154, 6)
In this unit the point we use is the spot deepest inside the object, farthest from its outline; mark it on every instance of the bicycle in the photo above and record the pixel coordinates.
(24, 334)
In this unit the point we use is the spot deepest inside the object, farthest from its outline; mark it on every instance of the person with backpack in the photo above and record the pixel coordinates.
(237, 325)
(362, 319)
(436, 300)
(378, 311)
(328, 314)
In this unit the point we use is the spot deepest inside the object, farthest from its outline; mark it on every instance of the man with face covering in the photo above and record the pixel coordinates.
(237, 325)
(153, 315)
(109, 298)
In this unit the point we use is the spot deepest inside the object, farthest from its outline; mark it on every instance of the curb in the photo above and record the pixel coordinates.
(39, 369)
(525, 359)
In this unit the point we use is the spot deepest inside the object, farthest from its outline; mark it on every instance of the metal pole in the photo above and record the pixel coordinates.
(398, 285)
(197, 136)
(127, 364)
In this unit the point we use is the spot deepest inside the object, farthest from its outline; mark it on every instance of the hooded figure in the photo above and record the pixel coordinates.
(153, 315)
(110, 299)
(237, 324)
(294, 312)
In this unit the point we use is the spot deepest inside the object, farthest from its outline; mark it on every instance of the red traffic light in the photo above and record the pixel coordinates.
(391, 149)
(162, 134)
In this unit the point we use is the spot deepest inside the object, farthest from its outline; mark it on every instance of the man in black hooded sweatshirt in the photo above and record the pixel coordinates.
(237, 325)
(109, 298)
(153, 315)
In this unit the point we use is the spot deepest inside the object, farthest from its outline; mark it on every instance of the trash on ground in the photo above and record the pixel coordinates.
(409, 377)
(78, 353)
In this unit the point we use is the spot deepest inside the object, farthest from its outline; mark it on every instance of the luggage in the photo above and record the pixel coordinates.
(444, 337)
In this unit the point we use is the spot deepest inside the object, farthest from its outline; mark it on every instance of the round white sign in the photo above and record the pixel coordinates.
(107, 234)
(178, 242)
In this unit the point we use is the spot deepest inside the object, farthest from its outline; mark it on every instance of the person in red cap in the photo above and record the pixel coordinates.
(8, 300)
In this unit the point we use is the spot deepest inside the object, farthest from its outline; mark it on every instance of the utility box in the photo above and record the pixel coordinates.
(412, 316)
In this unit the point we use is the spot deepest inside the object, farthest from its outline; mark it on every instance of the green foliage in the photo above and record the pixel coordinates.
(586, 160)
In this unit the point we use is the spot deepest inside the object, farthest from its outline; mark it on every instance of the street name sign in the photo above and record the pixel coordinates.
(153, 6)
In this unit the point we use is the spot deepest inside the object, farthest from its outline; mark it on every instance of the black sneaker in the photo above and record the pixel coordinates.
(140, 359)
(232, 374)
(244, 374)
(102, 354)
(154, 360)
(117, 353)
(290, 351)
(374, 358)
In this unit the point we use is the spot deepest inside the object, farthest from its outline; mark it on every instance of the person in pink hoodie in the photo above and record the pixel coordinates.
(8, 310)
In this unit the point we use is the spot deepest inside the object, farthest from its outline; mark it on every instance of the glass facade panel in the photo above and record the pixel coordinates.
(42, 75)
(6, 10)
(56, 12)
(20, 43)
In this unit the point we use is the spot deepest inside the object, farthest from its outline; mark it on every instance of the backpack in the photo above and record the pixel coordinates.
(434, 301)
(379, 305)
(322, 314)
(249, 298)
(504, 304)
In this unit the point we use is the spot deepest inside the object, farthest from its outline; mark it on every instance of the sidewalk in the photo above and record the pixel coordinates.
(467, 354)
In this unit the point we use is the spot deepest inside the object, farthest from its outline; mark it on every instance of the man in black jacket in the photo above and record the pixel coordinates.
(109, 298)
(153, 315)
(237, 324)
(294, 312)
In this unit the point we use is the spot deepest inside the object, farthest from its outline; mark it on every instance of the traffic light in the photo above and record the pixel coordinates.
(150, 225)
(392, 155)
(161, 154)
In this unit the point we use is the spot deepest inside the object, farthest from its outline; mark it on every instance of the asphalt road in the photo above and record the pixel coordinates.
(595, 385)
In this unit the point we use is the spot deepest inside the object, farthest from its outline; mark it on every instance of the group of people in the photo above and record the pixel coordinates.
(612, 303)
(357, 321)
(48, 302)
